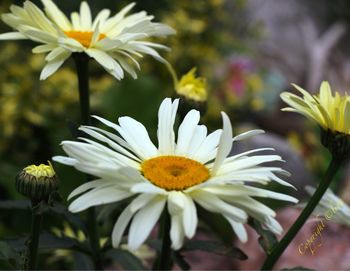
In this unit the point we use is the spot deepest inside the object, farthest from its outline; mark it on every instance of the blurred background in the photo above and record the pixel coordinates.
(249, 51)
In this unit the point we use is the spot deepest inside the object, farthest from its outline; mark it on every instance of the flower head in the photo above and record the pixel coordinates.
(112, 41)
(330, 112)
(192, 87)
(194, 169)
(37, 182)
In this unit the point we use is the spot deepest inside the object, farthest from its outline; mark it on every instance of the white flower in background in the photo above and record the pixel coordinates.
(113, 42)
(331, 206)
(194, 169)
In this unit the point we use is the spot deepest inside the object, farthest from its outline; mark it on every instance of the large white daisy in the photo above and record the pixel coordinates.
(113, 42)
(194, 169)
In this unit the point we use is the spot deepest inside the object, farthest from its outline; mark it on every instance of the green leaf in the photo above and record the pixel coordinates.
(180, 261)
(15, 205)
(73, 219)
(218, 224)
(215, 247)
(8, 255)
(7, 252)
(48, 241)
(267, 239)
(126, 259)
(82, 262)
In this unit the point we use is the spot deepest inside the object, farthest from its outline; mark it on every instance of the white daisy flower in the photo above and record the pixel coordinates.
(112, 41)
(193, 170)
(331, 207)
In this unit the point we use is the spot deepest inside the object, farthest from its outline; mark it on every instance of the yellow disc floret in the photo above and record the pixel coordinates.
(174, 172)
(83, 37)
(40, 171)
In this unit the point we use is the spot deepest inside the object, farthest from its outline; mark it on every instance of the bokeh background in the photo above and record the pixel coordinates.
(249, 51)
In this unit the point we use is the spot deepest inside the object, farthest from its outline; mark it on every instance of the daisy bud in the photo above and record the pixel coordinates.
(37, 182)
(193, 93)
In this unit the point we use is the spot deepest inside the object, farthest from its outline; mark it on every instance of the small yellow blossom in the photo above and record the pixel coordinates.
(192, 87)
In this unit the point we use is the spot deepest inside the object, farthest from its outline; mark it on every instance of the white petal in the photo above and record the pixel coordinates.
(186, 132)
(190, 219)
(148, 188)
(87, 186)
(214, 204)
(56, 15)
(136, 135)
(85, 16)
(65, 160)
(44, 48)
(120, 226)
(144, 221)
(166, 118)
(176, 202)
(239, 229)
(207, 150)
(12, 36)
(248, 134)
(225, 143)
(51, 68)
(176, 232)
(98, 196)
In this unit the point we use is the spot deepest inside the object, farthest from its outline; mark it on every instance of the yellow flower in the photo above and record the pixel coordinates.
(192, 87)
(330, 112)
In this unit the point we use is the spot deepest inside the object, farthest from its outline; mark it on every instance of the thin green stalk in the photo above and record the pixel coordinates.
(309, 208)
(33, 241)
(82, 67)
(164, 261)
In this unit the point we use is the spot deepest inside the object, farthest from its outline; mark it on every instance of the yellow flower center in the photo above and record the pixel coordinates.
(40, 171)
(174, 172)
(83, 37)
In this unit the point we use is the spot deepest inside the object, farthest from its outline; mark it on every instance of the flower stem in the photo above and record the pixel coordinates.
(173, 73)
(33, 240)
(82, 67)
(278, 250)
(164, 261)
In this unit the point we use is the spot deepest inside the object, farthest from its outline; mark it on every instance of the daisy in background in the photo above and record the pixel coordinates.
(331, 206)
(330, 112)
(113, 42)
(177, 175)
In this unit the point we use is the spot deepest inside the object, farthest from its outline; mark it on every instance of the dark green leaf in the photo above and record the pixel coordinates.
(15, 205)
(82, 262)
(7, 252)
(180, 261)
(8, 256)
(73, 219)
(49, 241)
(126, 259)
(215, 247)
(267, 239)
(218, 224)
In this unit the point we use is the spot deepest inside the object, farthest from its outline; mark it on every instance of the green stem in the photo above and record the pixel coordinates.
(173, 73)
(82, 67)
(33, 241)
(309, 208)
(164, 261)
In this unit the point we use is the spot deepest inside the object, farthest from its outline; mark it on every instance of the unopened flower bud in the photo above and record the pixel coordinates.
(37, 182)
